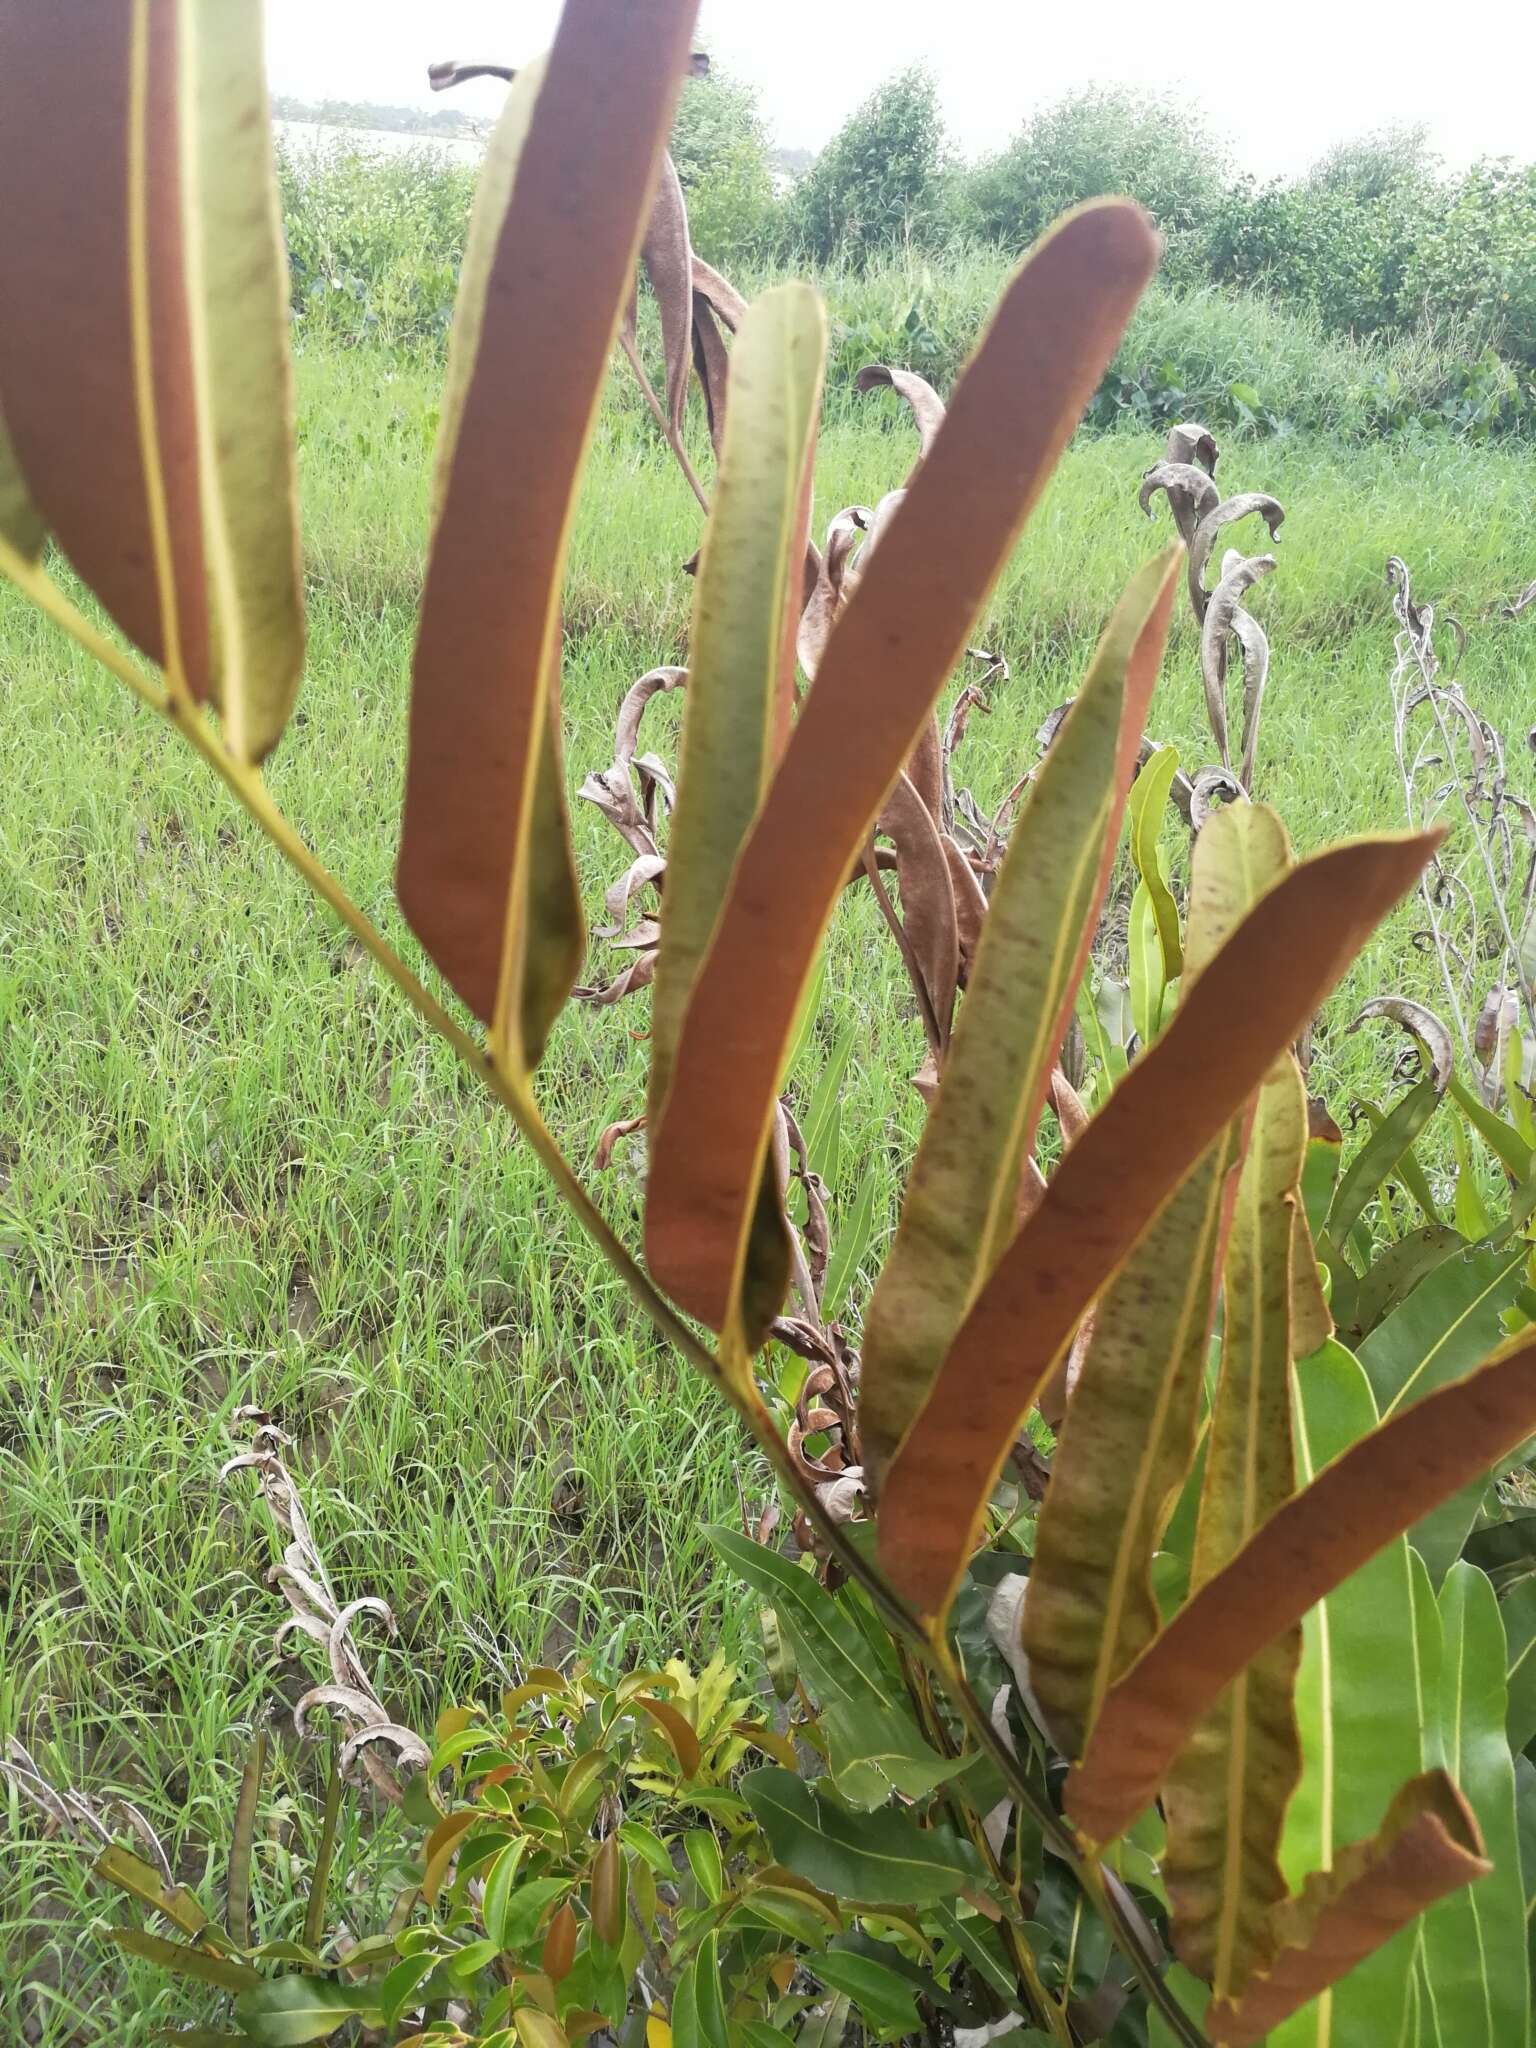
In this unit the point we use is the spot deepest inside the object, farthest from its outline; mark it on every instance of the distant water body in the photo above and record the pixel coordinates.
(316, 138)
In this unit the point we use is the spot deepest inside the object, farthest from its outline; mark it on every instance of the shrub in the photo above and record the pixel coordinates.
(877, 183)
(720, 147)
(1001, 1697)
(1475, 258)
(374, 242)
(1101, 141)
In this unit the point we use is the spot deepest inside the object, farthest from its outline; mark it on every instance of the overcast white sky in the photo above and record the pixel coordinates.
(1280, 79)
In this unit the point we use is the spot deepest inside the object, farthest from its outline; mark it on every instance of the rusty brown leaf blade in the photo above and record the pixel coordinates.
(1243, 1010)
(1226, 1796)
(668, 261)
(962, 1196)
(237, 273)
(95, 358)
(485, 871)
(1355, 1506)
(1131, 1429)
(1008, 420)
(741, 695)
(1428, 1845)
(928, 913)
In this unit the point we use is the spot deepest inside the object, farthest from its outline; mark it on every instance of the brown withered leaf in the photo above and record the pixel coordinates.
(1190, 442)
(626, 1127)
(1254, 642)
(970, 904)
(722, 297)
(927, 406)
(448, 72)
(639, 974)
(927, 897)
(1427, 1030)
(1362, 1501)
(1239, 574)
(668, 262)
(641, 873)
(832, 585)
(1191, 494)
(87, 332)
(1178, 1096)
(626, 735)
(1211, 527)
(1428, 1845)
(712, 367)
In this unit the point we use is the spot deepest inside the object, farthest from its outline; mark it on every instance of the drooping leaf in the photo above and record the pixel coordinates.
(1439, 1331)
(95, 359)
(237, 275)
(288, 2011)
(1009, 418)
(668, 260)
(927, 406)
(1173, 1104)
(1428, 1846)
(930, 924)
(962, 1195)
(876, 1858)
(1226, 1795)
(485, 872)
(1475, 1966)
(1355, 1507)
(1357, 1704)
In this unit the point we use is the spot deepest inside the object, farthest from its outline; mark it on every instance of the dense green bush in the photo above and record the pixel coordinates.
(1476, 257)
(374, 241)
(1103, 140)
(879, 181)
(720, 147)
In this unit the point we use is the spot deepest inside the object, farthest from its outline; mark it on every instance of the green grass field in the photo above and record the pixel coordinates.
(234, 1170)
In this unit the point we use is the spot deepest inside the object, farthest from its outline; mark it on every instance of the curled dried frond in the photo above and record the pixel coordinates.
(1212, 786)
(1479, 893)
(1190, 442)
(1202, 515)
(1191, 494)
(304, 1582)
(1221, 516)
(927, 406)
(1432, 1039)
(1239, 573)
